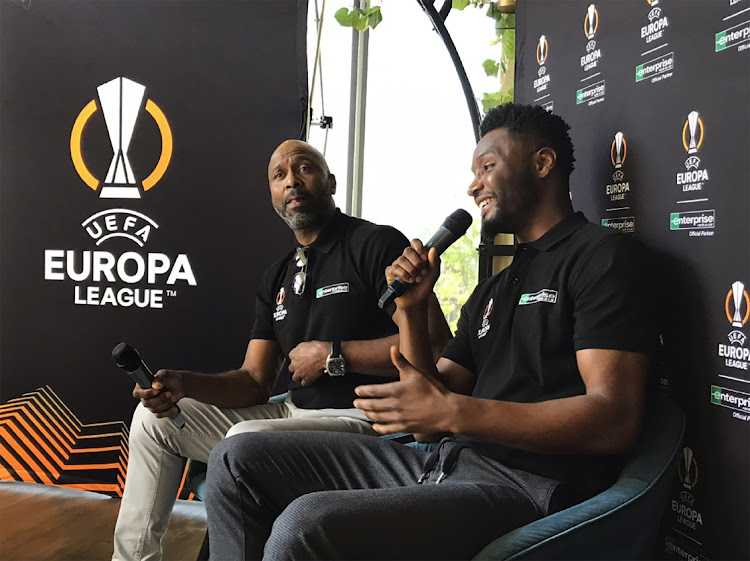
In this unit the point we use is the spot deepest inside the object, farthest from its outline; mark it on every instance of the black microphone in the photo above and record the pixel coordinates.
(130, 361)
(453, 228)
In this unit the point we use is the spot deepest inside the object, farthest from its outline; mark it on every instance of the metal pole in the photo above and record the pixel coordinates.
(352, 113)
(358, 159)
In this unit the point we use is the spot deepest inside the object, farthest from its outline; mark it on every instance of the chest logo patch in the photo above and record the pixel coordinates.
(486, 319)
(339, 288)
(545, 295)
(280, 312)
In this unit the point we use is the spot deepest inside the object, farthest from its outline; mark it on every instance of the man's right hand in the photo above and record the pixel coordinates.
(416, 267)
(166, 390)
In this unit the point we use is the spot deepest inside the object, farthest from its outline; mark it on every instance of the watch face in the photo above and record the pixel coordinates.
(335, 367)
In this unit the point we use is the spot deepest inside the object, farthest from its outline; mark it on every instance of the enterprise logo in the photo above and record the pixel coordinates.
(546, 295)
(699, 219)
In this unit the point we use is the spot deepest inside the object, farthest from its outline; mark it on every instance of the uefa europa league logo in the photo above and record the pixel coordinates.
(619, 150)
(693, 126)
(541, 50)
(738, 291)
(121, 100)
(592, 21)
(687, 469)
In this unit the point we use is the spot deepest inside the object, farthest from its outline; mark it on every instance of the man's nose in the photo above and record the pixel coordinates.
(473, 187)
(292, 181)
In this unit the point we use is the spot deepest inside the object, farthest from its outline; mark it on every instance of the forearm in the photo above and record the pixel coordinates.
(370, 357)
(584, 424)
(232, 389)
(414, 340)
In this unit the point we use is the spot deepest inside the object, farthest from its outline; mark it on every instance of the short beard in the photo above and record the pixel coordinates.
(314, 218)
(511, 221)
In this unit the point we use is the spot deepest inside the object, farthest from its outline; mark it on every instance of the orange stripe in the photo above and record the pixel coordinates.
(182, 483)
(4, 475)
(17, 417)
(91, 486)
(103, 449)
(33, 447)
(40, 410)
(16, 414)
(71, 429)
(63, 404)
(21, 452)
(91, 466)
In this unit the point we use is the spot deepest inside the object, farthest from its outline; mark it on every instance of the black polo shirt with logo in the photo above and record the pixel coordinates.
(579, 286)
(345, 278)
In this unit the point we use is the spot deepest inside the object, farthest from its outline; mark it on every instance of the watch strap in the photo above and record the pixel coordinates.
(335, 349)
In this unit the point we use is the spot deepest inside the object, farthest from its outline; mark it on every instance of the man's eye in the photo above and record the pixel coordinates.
(488, 166)
(304, 168)
(277, 175)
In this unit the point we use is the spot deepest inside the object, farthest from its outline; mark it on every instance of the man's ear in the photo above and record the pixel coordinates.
(545, 159)
(332, 183)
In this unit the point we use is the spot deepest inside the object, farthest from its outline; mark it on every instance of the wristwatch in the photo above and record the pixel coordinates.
(335, 364)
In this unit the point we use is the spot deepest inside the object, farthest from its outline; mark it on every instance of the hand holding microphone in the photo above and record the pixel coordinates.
(157, 401)
(417, 262)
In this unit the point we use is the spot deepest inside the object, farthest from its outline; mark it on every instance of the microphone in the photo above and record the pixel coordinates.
(130, 361)
(453, 228)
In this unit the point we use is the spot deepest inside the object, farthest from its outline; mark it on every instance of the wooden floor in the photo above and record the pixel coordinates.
(45, 523)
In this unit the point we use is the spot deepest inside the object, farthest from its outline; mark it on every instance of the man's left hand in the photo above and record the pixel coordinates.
(417, 403)
(308, 360)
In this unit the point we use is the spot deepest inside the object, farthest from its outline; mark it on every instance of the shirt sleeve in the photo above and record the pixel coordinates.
(612, 293)
(381, 251)
(265, 302)
(458, 349)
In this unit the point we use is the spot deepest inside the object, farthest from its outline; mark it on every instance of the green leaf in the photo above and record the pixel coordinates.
(490, 67)
(460, 4)
(360, 24)
(345, 17)
(490, 100)
(374, 17)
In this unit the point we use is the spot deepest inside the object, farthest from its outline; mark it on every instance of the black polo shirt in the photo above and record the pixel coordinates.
(579, 286)
(345, 278)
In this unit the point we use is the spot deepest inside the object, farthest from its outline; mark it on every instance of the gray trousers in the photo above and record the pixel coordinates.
(158, 449)
(305, 495)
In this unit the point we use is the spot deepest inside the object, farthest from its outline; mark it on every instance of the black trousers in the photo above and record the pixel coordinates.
(320, 495)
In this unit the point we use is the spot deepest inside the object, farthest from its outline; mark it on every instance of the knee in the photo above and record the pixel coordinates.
(311, 527)
(258, 425)
(146, 427)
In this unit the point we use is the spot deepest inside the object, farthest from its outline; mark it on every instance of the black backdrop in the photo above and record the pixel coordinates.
(648, 65)
(230, 79)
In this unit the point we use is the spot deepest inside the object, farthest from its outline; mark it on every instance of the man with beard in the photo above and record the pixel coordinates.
(541, 391)
(316, 310)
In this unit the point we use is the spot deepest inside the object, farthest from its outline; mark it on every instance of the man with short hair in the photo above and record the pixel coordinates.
(316, 309)
(541, 391)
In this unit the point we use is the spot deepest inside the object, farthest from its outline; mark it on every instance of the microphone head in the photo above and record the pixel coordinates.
(458, 222)
(126, 357)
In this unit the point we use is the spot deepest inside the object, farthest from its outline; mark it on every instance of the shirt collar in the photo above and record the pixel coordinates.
(559, 232)
(330, 233)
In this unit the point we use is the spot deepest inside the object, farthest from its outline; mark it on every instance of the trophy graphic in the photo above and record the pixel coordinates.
(120, 100)
(542, 52)
(738, 290)
(591, 14)
(687, 457)
(692, 124)
(618, 149)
